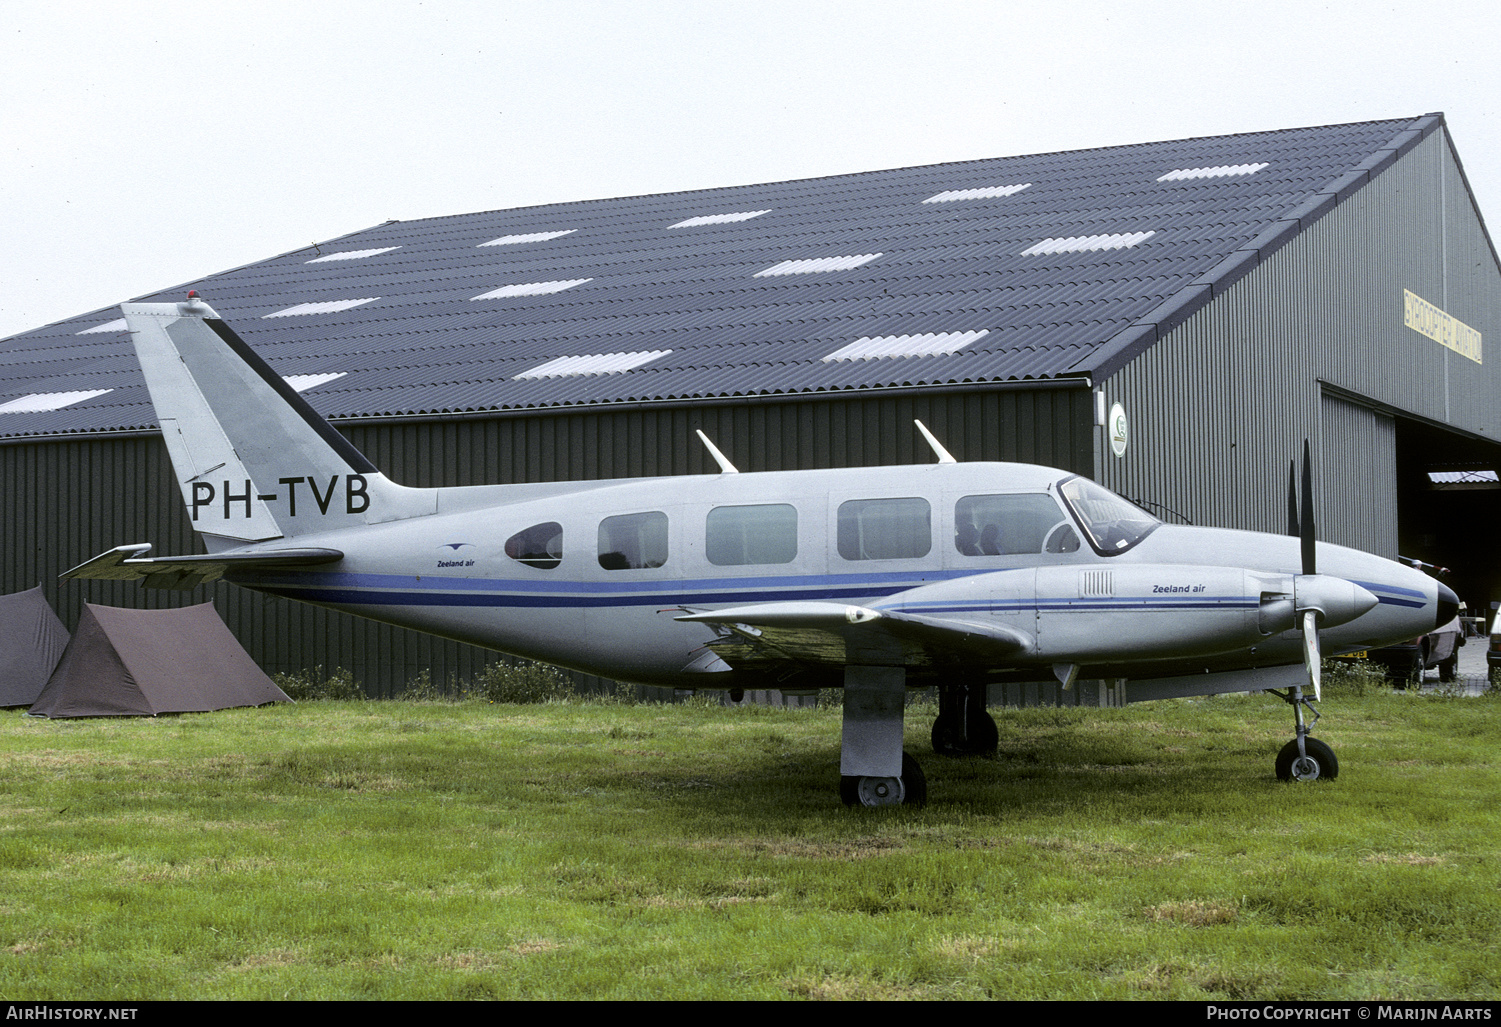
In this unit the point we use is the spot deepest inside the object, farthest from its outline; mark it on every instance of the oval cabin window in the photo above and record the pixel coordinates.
(539, 546)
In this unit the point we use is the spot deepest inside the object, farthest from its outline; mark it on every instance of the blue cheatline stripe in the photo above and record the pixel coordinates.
(1047, 605)
(439, 590)
(434, 597)
(365, 597)
(408, 582)
(1375, 587)
(1369, 585)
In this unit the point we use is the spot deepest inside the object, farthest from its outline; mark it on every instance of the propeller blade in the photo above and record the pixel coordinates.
(1309, 532)
(1292, 499)
(1311, 658)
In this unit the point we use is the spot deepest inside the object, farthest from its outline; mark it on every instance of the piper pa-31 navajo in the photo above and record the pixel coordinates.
(874, 580)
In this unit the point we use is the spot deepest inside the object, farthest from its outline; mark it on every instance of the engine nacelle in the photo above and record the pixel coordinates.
(1148, 611)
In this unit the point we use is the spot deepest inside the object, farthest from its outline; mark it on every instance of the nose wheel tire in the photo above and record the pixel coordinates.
(1318, 763)
(911, 789)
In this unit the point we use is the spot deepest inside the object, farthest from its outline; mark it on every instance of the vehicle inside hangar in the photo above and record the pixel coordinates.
(1448, 504)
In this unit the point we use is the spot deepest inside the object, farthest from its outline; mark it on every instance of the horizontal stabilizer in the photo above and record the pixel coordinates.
(129, 563)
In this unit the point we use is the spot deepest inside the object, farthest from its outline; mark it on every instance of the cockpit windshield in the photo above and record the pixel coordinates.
(1112, 524)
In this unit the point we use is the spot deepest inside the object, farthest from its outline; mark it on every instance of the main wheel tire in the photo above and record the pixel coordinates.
(1318, 765)
(914, 781)
(1447, 669)
(1419, 668)
(981, 738)
(911, 789)
(945, 740)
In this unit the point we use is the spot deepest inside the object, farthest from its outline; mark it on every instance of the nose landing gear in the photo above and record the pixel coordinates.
(1304, 758)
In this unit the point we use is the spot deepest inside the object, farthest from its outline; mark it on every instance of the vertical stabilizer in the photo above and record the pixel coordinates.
(253, 459)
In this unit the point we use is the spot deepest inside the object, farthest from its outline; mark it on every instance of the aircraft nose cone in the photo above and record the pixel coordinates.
(1448, 605)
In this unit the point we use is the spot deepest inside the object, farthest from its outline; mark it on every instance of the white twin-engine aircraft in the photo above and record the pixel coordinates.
(875, 579)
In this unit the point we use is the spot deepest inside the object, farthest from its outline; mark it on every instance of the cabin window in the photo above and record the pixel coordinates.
(1112, 524)
(539, 546)
(633, 541)
(739, 535)
(1018, 523)
(885, 529)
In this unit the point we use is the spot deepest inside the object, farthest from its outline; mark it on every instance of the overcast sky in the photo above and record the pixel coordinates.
(150, 143)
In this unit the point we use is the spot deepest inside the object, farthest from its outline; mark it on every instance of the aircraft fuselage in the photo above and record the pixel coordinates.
(606, 567)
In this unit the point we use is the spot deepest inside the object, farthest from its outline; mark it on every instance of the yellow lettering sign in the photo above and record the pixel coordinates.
(1426, 319)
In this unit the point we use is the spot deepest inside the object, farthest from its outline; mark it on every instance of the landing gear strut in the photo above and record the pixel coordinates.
(963, 726)
(874, 771)
(1304, 758)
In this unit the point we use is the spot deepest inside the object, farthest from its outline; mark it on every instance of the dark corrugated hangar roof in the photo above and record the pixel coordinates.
(1018, 268)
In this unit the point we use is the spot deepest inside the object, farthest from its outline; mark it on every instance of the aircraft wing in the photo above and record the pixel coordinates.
(130, 563)
(766, 635)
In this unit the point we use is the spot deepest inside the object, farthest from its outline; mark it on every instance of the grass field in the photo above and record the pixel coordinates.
(459, 850)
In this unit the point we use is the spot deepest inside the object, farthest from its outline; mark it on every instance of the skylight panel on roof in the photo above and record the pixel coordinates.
(513, 240)
(720, 219)
(1464, 477)
(40, 402)
(304, 382)
(321, 307)
(926, 344)
(351, 255)
(1085, 243)
(986, 193)
(1221, 171)
(817, 265)
(592, 363)
(530, 289)
(117, 325)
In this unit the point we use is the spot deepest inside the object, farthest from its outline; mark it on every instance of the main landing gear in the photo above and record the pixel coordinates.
(874, 771)
(1304, 758)
(963, 726)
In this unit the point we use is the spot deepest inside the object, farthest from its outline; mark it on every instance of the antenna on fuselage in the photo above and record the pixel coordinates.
(725, 467)
(944, 456)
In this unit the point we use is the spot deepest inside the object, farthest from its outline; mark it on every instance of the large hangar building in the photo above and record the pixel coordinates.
(1230, 297)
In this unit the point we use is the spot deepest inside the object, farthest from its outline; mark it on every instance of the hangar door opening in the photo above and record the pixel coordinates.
(1448, 505)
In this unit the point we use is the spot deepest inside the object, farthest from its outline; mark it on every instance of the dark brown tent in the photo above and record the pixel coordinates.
(32, 640)
(134, 663)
